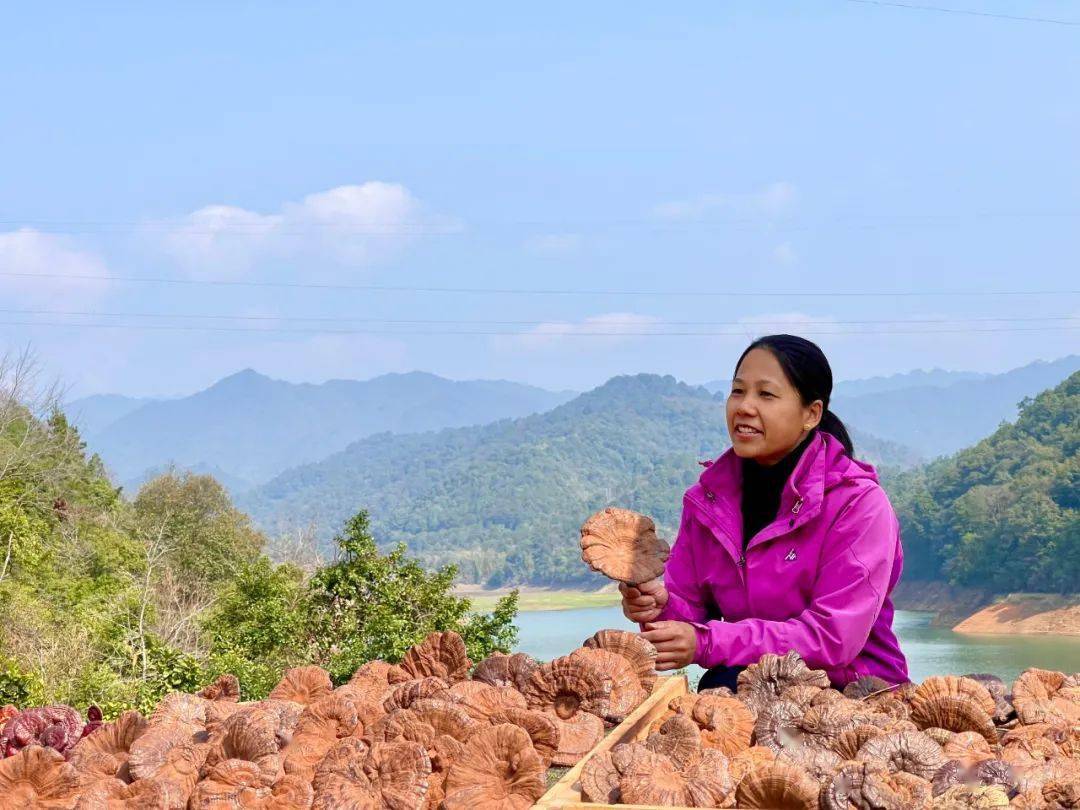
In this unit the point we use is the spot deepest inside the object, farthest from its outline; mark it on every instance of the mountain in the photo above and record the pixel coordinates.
(94, 413)
(919, 378)
(250, 427)
(937, 420)
(1003, 515)
(504, 501)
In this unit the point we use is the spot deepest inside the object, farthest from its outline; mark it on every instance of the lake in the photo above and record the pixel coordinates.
(929, 650)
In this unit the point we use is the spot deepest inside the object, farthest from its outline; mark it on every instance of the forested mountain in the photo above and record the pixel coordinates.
(94, 413)
(938, 420)
(248, 427)
(893, 382)
(1003, 515)
(505, 501)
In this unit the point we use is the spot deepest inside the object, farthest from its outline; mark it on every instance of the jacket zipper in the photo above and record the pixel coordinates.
(742, 558)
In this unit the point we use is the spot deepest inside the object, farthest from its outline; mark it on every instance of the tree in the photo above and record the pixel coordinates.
(367, 605)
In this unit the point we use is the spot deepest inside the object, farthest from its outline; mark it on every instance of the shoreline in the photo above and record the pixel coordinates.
(963, 610)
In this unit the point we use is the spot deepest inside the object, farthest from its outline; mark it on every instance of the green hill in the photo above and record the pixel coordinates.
(504, 501)
(1001, 515)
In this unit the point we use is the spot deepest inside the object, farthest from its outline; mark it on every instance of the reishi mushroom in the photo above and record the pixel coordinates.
(623, 545)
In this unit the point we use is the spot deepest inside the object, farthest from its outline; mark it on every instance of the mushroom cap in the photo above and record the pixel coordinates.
(441, 655)
(234, 782)
(578, 736)
(480, 700)
(754, 757)
(115, 794)
(777, 786)
(820, 763)
(622, 545)
(1042, 695)
(540, 726)
(963, 797)
(761, 683)
(320, 726)
(113, 739)
(848, 743)
(708, 780)
(1003, 708)
(956, 704)
(634, 647)
(865, 686)
(969, 747)
(502, 670)
(385, 775)
(58, 727)
(626, 693)
(678, 739)
(777, 726)
(872, 786)
(1061, 793)
(801, 693)
(303, 685)
(567, 686)
(498, 769)
(653, 779)
(226, 687)
(909, 751)
(726, 724)
(36, 777)
(600, 779)
(404, 695)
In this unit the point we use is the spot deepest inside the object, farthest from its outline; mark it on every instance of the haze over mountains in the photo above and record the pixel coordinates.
(247, 428)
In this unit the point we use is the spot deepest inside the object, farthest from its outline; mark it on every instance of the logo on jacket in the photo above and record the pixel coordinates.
(790, 555)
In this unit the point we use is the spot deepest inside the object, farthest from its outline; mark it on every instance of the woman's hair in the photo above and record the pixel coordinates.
(808, 370)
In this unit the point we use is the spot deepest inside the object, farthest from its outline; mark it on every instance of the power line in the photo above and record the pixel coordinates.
(548, 321)
(966, 12)
(572, 332)
(388, 288)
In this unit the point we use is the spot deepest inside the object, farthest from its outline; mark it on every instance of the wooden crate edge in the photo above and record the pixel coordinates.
(562, 794)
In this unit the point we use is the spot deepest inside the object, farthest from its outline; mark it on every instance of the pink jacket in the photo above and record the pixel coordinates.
(816, 580)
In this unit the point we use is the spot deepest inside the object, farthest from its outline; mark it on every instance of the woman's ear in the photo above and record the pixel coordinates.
(812, 415)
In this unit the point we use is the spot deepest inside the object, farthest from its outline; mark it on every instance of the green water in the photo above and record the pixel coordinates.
(929, 650)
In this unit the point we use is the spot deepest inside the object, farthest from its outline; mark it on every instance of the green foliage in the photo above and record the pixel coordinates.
(1003, 514)
(117, 604)
(367, 605)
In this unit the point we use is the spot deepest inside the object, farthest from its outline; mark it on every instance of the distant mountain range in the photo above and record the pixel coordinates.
(504, 501)
(247, 427)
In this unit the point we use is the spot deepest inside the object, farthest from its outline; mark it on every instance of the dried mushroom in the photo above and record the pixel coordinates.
(498, 769)
(542, 729)
(778, 787)
(962, 797)
(56, 727)
(909, 751)
(502, 670)
(761, 684)
(625, 693)
(1044, 696)
(600, 779)
(481, 700)
(726, 724)
(678, 739)
(873, 786)
(955, 704)
(113, 740)
(37, 777)
(440, 655)
(303, 685)
(634, 647)
(386, 775)
(622, 545)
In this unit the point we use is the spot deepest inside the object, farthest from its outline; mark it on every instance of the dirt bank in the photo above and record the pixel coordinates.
(949, 603)
(1029, 614)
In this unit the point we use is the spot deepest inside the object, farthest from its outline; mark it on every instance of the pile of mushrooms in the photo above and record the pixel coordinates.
(785, 739)
(419, 735)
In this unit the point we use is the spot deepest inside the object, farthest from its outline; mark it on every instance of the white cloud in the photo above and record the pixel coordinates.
(769, 201)
(352, 223)
(46, 270)
(596, 331)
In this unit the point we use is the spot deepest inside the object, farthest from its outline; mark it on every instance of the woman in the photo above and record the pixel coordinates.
(786, 542)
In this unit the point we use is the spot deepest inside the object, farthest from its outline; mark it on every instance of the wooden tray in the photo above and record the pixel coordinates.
(566, 793)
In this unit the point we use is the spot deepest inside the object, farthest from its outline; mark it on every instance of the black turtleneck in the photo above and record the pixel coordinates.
(762, 487)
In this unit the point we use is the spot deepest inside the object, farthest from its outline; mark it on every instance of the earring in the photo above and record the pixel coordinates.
(806, 427)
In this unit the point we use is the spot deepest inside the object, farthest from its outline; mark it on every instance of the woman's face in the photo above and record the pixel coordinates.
(766, 418)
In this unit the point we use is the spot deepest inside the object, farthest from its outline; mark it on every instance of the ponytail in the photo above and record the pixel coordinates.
(831, 424)
(809, 372)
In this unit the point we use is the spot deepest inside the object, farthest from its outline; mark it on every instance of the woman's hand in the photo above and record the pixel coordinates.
(643, 603)
(675, 642)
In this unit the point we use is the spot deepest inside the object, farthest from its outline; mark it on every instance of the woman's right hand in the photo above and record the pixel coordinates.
(643, 602)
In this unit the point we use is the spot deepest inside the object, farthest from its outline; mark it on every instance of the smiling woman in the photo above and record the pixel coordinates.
(787, 542)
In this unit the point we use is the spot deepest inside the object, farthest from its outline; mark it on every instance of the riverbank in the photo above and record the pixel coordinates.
(541, 599)
(1026, 614)
(965, 610)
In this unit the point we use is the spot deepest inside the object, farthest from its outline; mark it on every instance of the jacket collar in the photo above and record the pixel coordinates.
(801, 499)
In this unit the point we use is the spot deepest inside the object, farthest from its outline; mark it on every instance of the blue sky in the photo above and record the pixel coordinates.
(684, 154)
